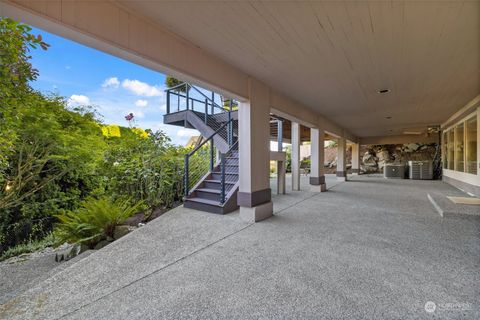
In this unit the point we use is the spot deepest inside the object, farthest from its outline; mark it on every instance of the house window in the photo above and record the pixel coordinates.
(451, 149)
(445, 150)
(459, 148)
(471, 145)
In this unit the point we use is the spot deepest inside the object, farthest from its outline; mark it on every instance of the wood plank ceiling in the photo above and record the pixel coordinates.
(334, 56)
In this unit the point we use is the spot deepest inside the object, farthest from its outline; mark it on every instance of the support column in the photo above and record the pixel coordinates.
(254, 196)
(295, 156)
(341, 159)
(356, 159)
(317, 171)
(280, 164)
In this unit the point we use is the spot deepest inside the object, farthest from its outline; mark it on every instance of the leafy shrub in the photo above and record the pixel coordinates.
(94, 221)
(53, 157)
(28, 247)
(146, 168)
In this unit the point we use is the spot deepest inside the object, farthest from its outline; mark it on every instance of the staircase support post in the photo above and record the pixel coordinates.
(230, 125)
(212, 154)
(187, 95)
(206, 111)
(168, 101)
(213, 101)
(222, 183)
(186, 177)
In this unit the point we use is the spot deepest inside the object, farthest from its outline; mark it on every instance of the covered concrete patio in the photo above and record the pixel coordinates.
(366, 249)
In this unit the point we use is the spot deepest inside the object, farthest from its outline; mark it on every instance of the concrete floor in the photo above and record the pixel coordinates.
(367, 249)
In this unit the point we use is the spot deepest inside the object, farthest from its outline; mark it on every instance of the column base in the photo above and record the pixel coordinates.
(319, 188)
(257, 213)
(355, 172)
(342, 175)
(318, 184)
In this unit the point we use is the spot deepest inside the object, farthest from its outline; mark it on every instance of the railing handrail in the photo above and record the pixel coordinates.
(212, 102)
(185, 96)
(177, 86)
(223, 156)
(206, 97)
(209, 138)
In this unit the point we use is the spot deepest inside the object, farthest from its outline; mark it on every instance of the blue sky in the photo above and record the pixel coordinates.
(115, 87)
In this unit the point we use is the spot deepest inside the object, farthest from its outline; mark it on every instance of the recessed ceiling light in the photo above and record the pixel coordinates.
(382, 91)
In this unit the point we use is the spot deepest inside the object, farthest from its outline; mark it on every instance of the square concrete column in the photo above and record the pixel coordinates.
(356, 159)
(317, 170)
(341, 159)
(254, 196)
(295, 156)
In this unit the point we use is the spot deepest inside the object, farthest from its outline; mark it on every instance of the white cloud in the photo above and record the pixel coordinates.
(141, 88)
(182, 133)
(78, 99)
(141, 103)
(139, 114)
(67, 67)
(163, 107)
(111, 82)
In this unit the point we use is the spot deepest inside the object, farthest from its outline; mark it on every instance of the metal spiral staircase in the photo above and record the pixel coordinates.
(211, 167)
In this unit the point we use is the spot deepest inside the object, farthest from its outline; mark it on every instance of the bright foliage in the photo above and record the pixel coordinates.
(53, 158)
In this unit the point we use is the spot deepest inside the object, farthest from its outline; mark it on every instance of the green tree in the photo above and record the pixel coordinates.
(144, 166)
(171, 82)
(53, 158)
(15, 74)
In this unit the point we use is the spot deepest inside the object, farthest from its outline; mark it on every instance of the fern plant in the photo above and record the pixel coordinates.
(94, 221)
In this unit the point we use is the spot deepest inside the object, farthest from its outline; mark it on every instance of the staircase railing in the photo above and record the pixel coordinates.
(201, 161)
(227, 178)
(182, 93)
(202, 104)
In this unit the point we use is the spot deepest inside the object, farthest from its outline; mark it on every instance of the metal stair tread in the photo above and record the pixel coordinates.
(205, 201)
(218, 181)
(209, 190)
(226, 172)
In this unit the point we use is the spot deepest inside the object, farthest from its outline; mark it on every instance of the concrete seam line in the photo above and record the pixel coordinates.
(435, 205)
(155, 271)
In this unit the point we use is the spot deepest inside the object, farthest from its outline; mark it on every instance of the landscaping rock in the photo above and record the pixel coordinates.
(369, 169)
(101, 244)
(121, 231)
(369, 159)
(67, 252)
(411, 147)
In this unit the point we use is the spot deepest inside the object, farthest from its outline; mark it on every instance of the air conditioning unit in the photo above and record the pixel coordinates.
(420, 170)
(394, 171)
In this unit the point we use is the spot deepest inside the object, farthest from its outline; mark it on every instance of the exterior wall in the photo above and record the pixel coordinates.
(466, 181)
